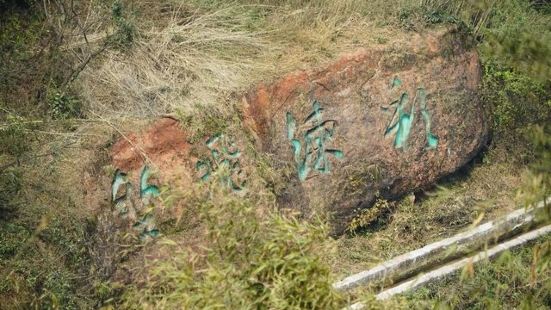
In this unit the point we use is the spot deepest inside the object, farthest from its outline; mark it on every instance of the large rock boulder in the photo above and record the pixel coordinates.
(385, 120)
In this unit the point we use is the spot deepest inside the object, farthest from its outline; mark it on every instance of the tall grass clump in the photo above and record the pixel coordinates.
(248, 263)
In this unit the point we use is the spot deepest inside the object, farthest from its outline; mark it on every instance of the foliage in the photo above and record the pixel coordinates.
(22, 72)
(250, 263)
(517, 100)
(520, 37)
(64, 106)
(13, 136)
(202, 123)
(10, 185)
(512, 31)
(126, 30)
(514, 280)
(11, 4)
(371, 215)
(537, 180)
(43, 262)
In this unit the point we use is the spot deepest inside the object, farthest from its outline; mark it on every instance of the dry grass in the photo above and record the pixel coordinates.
(199, 55)
(193, 60)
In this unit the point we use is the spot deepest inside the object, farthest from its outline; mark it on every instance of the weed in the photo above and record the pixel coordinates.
(406, 19)
(202, 124)
(438, 17)
(9, 247)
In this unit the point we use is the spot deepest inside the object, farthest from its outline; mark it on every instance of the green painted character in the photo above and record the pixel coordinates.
(146, 227)
(431, 139)
(402, 120)
(123, 203)
(310, 154)
(147, 190)
(224, 155)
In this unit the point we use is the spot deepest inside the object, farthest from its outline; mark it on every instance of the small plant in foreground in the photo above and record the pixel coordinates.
(249, 263)
(126, 31)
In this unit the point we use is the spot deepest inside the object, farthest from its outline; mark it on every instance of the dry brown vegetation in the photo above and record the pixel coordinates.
(192, 55)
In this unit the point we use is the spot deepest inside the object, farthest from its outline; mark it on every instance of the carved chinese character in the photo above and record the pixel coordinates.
(224, 158)
(403, 120)
(311, 151)
(126, 207)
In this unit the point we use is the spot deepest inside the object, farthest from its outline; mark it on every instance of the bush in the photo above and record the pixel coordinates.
(126, 31)
(64, 106)
(249, 263)
(517, 100)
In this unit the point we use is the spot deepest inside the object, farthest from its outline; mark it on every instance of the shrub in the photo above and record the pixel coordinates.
(126, 31)
(64, 106)
(249, 263)
(372, 216)
(517, 100)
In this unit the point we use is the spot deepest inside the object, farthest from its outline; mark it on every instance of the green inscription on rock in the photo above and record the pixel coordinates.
(124, 203)
(223, 158)
(403, 119)
(310, 150)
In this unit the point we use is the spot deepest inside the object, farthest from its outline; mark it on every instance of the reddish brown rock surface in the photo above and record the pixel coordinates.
(163, 147)
(359, 96)
(162, 144)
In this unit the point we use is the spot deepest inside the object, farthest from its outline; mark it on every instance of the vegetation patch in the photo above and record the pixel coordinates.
(249, 262)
